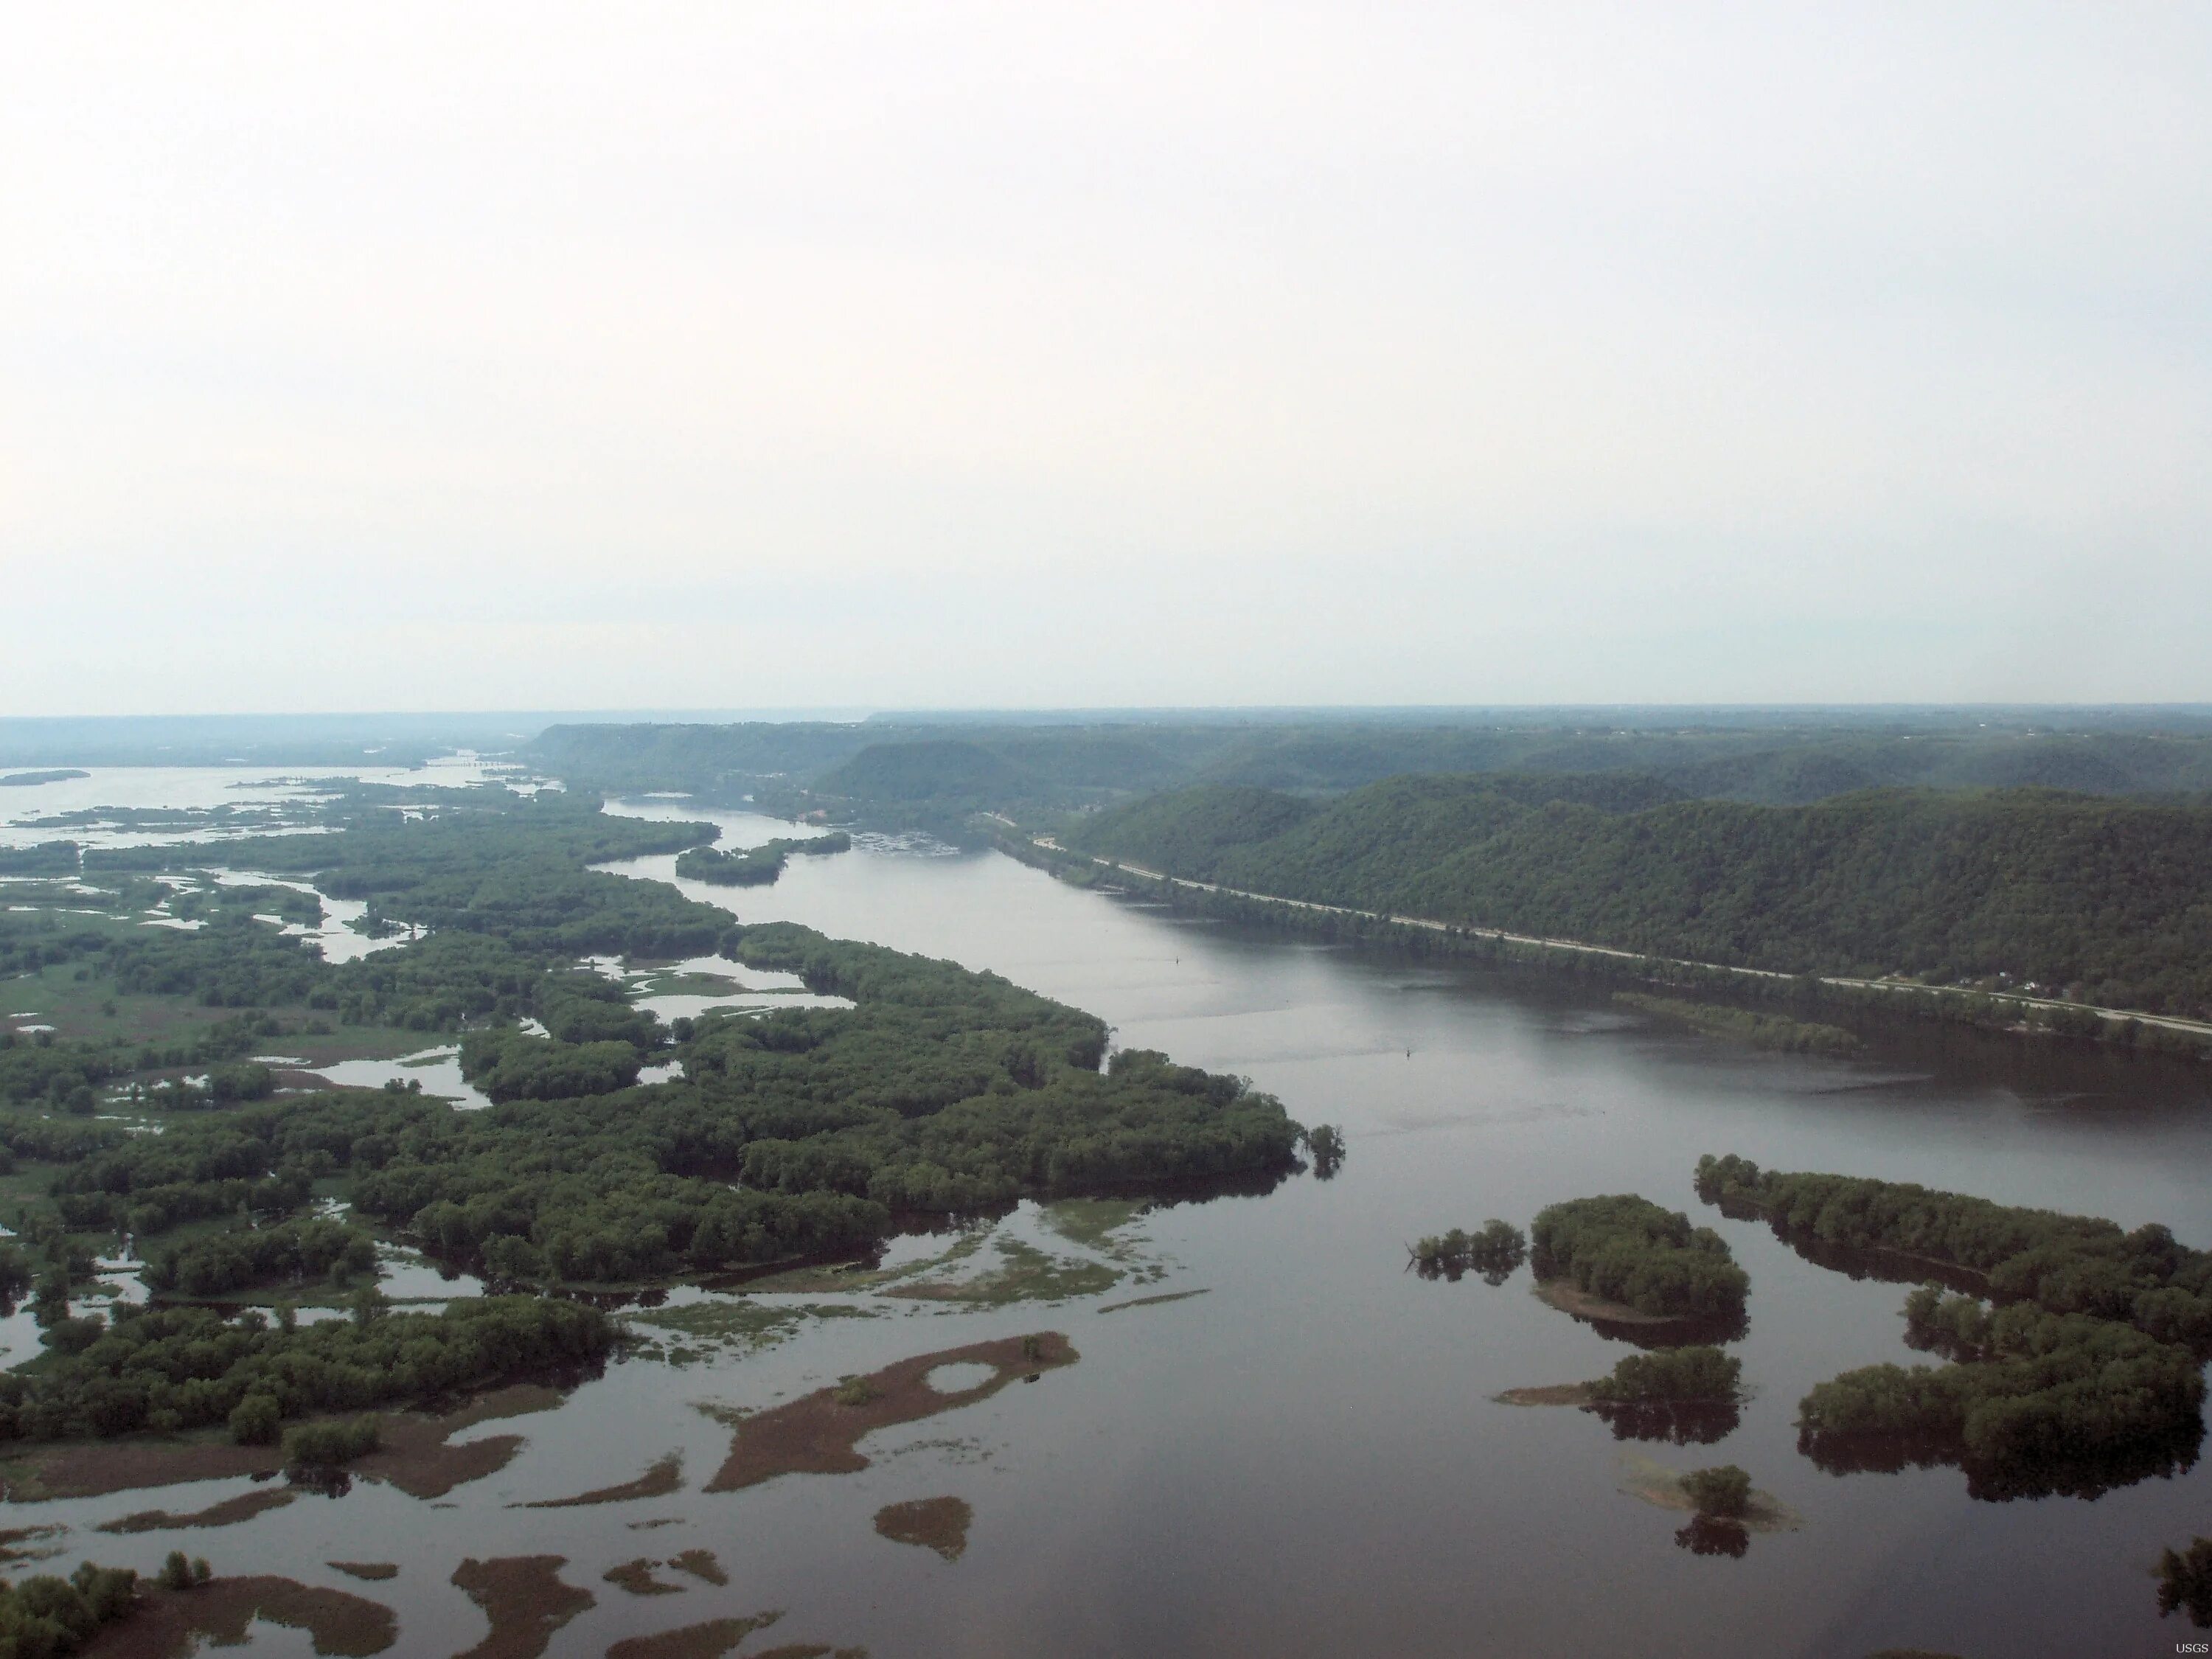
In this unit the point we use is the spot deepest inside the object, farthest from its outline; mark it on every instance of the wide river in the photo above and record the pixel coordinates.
(1307, 1460)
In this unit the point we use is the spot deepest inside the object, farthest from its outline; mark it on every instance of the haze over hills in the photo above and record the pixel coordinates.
(1778, 756)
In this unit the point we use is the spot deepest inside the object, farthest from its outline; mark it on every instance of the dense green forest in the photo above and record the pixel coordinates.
(756, 866)
(1631, 1251)
(2085, 1374)
(2064, 1264)
(44, 1616)
(170, 1369)
(2111, 901)
(804, 1131)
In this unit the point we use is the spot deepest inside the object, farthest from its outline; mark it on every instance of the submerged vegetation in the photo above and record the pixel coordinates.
(1781, 1032)
(1630, 1251)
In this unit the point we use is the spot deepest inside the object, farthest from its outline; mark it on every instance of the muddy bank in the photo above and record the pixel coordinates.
(230, 1511)
(1652, 1482)
(1552, 1393)
(1151, 1301)
(414, 1457)
(417, 1456)
(174, 1624)
(526, 1600)
(637, 1576)
(931, 1523)
(1622, 1323)
(666, 1476)
(94, 1469)
(710, 1640)
(818, 1433)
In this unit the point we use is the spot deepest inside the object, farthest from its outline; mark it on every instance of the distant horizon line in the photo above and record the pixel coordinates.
(784, 714)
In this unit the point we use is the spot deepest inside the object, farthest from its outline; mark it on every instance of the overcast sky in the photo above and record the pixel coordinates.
(528, 356)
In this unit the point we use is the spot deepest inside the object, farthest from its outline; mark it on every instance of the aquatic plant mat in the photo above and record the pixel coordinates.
(818, 1433)
(172, 1624)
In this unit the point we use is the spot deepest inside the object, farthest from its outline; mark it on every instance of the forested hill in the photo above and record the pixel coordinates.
(1776, 758)
(2111, 900)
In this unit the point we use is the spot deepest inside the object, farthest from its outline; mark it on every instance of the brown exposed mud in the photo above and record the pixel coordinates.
(1570, 1298)
(231, 1510)
(174, 1624)
(526, 1600)
(709, 1641)
(934, 1523)
(700, 1564)
(817, 1434)
(20, 1544)
(637, 1576)
(94, 1470)
(1551, 1394)
(371, 1569)
(665, 1477)
(415, 1458)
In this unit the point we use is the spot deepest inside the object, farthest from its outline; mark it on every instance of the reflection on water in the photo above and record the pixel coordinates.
(437, 1071)
(1305, 1460)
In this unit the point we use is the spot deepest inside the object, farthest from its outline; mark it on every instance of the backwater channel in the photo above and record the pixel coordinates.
(1306, 1459)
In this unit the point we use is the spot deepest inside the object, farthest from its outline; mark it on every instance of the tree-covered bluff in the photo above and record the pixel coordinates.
(2111, 899)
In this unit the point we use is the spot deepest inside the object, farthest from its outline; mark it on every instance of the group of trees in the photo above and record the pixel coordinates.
(176, 1368)
(794, 1133)
(45, 1616)
(1630, 1250)
(291, 1252)
(1700, 1373)
(2064, 1264)
(755, 867)
(1494, 1251)
(2081, 1371)
(940, 1089)
(2110, 898)
(2040, 1403)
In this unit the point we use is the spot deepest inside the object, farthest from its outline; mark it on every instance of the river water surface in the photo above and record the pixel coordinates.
(1306, 1459)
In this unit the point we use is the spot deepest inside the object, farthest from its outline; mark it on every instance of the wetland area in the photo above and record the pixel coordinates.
(1284, 1441)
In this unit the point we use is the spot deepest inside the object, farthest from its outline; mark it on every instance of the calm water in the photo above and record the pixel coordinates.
(1305, 1460)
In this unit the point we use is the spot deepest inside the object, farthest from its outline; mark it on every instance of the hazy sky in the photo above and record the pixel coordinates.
(527, 356)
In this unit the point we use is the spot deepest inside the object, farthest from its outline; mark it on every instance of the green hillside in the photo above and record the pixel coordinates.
(2110, 899)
